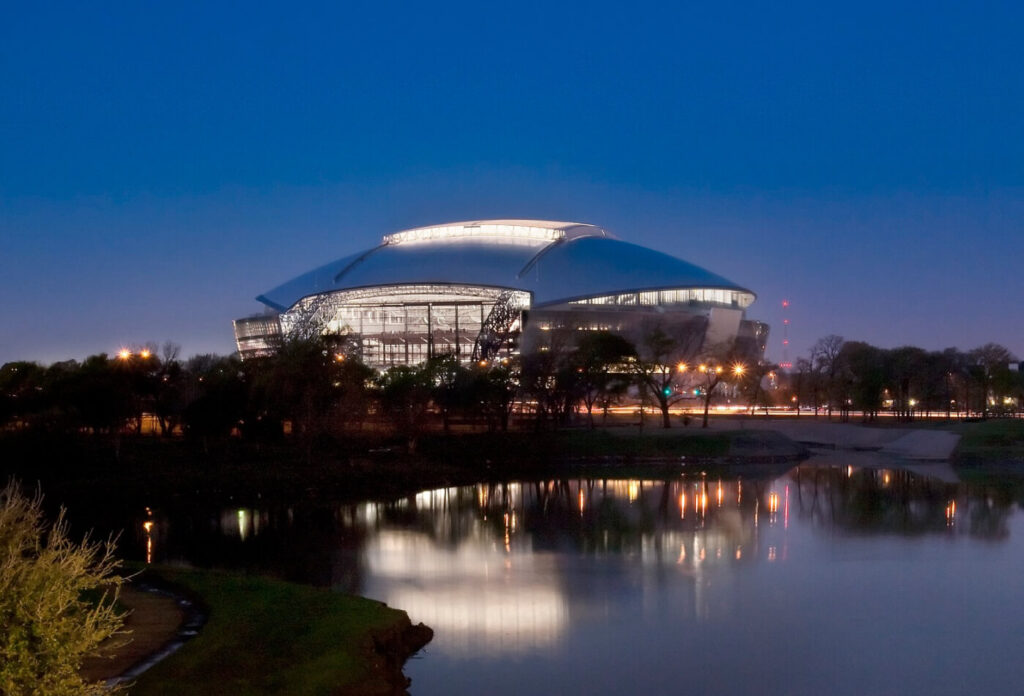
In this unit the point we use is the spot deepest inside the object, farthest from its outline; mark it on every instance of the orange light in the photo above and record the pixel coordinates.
(681, 367)
(738, 370)
(144, 354)
(124, 354)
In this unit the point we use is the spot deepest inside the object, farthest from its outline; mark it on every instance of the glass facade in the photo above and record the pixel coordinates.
(257, 336)
(405, 325)
(714, 296)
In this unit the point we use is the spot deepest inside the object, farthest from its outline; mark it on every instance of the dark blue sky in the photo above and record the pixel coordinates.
(162, 164)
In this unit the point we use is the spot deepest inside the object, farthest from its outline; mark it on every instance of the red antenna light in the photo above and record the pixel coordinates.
(785, 364)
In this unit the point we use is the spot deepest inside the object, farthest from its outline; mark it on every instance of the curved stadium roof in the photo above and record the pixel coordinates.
(554, 261)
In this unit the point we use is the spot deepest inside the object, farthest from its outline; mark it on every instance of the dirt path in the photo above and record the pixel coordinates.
(152, 622)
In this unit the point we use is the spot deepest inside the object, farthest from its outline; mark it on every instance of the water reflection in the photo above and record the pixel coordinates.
(692, 520)
(637, 577)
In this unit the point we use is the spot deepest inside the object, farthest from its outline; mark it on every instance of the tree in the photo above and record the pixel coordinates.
(751, 384)
(216, 397)
(405, 395)
(546, 377)
(826, 354)
(991, 369)
(720, 363)
(597, 354)
(866, 367)
(21, 384)
(906, 374)
(663, 351)
(57, 601)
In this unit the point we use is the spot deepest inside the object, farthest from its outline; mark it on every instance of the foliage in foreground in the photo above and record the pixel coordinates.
(57, 601)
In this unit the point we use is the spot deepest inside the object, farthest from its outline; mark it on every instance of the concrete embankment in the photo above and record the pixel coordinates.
(904, 443)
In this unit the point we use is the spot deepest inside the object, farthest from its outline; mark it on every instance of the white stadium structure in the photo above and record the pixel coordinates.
(483, 288)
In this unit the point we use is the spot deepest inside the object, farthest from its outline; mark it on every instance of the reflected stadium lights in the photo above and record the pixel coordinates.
(147, 526)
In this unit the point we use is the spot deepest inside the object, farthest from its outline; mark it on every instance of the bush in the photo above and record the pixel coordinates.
(57, 600)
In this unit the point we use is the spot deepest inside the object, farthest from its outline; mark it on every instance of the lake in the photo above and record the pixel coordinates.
(763, 580)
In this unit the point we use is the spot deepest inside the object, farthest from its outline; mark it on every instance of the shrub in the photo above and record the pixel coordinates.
(57, 600)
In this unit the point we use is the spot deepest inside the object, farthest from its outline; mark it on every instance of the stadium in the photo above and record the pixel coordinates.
(489, 288)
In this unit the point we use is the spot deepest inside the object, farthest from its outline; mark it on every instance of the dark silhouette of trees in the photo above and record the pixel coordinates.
(405, 396)
(315, 388)
(990, 370)
(826, 358)
(316, 384)
(600, 361)
(664, 350)
(719, 364)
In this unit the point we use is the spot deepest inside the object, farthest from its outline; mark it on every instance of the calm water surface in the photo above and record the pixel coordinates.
(822, 579)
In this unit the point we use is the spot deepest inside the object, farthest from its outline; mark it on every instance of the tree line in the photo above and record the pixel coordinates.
(842, 377)
(315, 386)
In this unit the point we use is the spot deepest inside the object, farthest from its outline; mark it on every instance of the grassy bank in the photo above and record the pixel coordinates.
(270, 637)
(991, 439)
(557, 446)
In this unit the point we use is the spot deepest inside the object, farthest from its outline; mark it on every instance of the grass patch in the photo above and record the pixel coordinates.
(266, 636)
(997, 438)
(560, 445)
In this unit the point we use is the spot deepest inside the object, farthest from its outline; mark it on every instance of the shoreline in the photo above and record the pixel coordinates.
(754, 446)
(83, 475)
(345, 642)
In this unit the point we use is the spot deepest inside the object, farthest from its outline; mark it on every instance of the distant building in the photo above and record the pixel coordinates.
(480, 289)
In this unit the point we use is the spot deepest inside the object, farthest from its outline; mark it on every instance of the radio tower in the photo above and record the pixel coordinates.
(785, 364)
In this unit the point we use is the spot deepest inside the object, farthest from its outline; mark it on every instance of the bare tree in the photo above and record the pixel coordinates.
(826, 356)
(664, 352)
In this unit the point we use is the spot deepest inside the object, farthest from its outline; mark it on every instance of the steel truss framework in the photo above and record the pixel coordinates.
(406, 324)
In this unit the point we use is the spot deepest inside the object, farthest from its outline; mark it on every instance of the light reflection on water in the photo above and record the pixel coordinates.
(817, 580)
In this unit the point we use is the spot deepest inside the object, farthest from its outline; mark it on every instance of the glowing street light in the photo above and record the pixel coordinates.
(145, 353)
(738, 370)
(681, 367)
(124, 354)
